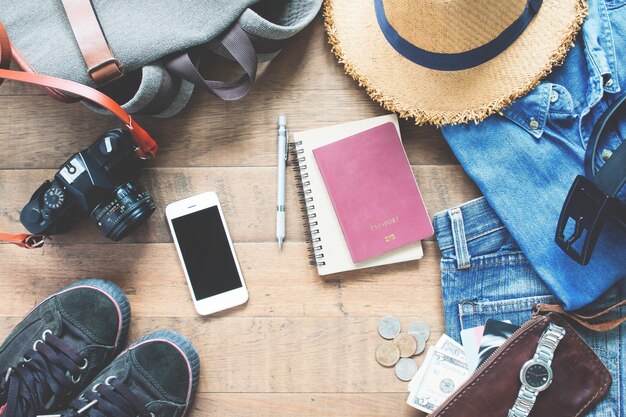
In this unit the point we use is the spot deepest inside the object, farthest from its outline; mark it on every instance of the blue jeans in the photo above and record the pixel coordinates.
(525, 159)
(484, 274)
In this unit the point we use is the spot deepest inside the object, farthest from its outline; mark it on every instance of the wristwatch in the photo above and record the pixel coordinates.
(536, 374)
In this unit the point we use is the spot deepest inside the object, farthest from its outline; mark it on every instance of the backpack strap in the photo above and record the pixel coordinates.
(238, 44)
(102, 65)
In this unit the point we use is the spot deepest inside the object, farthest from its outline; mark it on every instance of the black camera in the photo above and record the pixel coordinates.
(98, 182)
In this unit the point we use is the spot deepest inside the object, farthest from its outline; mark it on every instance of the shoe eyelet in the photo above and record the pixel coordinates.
(109, 379)
(85, 364)
(152, 414)
(95, 388)
(45, 333)
(36, 343)
(75, 380)
(8, 374)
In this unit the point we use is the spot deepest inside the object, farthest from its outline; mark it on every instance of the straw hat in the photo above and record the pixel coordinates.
(451, 61)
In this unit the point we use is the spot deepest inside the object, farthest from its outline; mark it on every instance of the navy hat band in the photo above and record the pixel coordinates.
(461, 60)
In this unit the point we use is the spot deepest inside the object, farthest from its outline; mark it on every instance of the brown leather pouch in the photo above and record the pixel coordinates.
(580, 379)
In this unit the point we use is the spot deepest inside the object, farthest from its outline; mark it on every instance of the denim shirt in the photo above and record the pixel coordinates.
(525, 159)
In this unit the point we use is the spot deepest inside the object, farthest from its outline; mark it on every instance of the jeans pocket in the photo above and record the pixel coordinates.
(493, 248)
(516, 310)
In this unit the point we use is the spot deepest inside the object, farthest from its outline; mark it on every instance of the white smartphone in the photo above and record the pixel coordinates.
(207, 253)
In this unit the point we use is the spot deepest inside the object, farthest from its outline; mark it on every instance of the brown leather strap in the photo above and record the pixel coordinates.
(25, 65)
(584, 320)
(146, 145)
(5, 51)
(102, 65)
(23, 240)
(9, 52)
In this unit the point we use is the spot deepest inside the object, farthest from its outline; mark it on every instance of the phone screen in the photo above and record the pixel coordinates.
(206, 253)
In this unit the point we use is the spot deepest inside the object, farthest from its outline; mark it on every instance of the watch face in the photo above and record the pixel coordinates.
(537, 375)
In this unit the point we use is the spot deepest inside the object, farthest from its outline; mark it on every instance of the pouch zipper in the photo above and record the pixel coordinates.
(487, 362)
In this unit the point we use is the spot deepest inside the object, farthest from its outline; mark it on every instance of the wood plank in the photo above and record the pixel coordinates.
(247, 196)
(208, 133)
(305, 83)
(304, 405)
(280, 285)
(284, 354)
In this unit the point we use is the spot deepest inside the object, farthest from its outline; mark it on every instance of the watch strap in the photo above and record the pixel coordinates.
(544, 354)
(524, 403)
(548, 343)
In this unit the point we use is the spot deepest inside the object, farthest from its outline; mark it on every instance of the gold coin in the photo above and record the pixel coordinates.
(407, 345)
(387, 354)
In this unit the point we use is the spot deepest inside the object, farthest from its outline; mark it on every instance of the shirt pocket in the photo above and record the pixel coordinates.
(615, 4)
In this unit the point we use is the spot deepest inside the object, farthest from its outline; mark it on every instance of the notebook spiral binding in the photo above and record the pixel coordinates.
(316, 254)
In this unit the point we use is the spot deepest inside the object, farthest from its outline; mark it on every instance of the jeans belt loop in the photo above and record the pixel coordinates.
(460, 242)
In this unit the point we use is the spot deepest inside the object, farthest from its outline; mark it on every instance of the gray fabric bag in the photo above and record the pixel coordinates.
(155, 45)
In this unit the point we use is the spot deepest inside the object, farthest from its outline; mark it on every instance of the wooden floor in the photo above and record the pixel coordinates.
(302, 346)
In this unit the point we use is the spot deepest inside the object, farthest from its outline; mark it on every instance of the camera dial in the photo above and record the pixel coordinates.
(54, 197)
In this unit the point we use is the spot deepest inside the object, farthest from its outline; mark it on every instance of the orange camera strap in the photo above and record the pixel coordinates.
(146, 145)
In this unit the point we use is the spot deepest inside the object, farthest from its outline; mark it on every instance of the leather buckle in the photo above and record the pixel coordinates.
(589, 208)
(109, 76)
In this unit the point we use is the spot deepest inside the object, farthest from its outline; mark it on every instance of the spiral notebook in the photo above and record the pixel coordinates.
(329, 250)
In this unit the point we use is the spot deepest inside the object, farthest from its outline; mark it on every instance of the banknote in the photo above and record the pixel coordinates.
(447, 345)
(440, 375)
(418, 376)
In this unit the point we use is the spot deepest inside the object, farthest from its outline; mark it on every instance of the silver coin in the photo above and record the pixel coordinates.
(389, 327)
(405, 369)
(421, 343)
(421, 328)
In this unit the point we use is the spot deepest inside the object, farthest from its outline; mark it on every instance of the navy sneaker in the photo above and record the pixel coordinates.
(60, 346)
(155, 377)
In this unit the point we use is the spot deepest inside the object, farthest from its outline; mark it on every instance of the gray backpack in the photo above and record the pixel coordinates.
(145, 53)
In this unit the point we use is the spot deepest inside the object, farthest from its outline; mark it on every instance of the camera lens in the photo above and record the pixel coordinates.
(131, 206)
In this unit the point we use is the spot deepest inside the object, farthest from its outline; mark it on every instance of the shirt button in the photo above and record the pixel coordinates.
(554, 96)
(606, 154)
(609, 82)
(534, 125)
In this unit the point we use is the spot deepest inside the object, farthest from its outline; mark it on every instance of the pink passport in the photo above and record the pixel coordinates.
(373, 191)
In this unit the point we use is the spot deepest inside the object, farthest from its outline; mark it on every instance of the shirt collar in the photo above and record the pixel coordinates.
(531, 111)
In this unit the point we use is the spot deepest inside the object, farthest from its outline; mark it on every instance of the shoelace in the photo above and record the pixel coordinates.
(111, 399)
(51, 368)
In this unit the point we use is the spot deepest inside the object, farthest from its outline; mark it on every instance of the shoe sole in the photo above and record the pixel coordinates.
(186, 349)
(117, 297)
